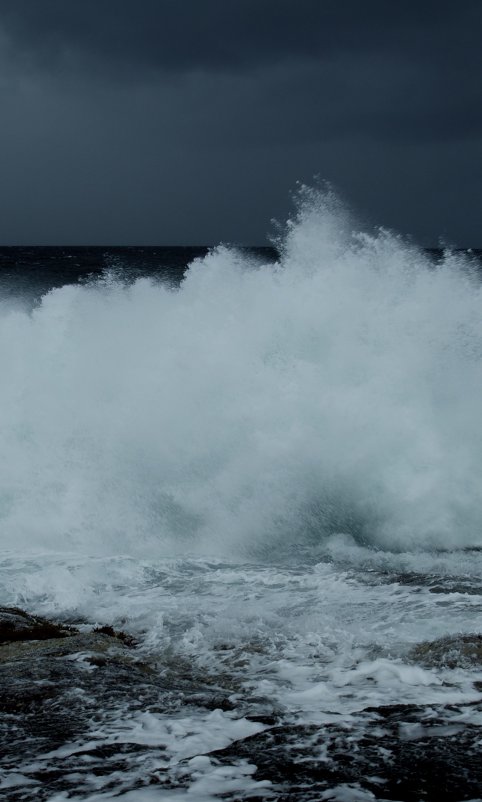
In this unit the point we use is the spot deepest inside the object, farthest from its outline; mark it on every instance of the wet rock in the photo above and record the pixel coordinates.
(65, 700)
(457, 651)
(17, 625)
(397, 752)
(120, 635)
(56, 680)
(39, 676)
(61, 693)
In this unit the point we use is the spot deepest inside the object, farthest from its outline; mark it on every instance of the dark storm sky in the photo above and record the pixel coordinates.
(190, 121)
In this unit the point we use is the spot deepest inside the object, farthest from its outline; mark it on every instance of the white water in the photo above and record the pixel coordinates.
(337, 391)
(313, 644)
(264, 472)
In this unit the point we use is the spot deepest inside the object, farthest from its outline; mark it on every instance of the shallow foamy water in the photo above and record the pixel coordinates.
(245, 648)
(269, 477)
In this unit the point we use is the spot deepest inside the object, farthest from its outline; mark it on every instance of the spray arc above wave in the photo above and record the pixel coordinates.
(336, 391)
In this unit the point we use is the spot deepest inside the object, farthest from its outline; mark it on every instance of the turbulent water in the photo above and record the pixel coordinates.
(270, 473)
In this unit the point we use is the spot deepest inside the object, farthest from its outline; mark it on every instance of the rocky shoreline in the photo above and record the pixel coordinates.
(61, 685)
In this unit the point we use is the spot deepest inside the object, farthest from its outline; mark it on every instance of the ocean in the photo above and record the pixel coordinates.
(257, 471)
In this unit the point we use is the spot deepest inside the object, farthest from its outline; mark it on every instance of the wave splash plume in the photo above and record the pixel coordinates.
(336, 391)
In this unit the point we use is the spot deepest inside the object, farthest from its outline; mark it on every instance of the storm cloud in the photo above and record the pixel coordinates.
(160, 122)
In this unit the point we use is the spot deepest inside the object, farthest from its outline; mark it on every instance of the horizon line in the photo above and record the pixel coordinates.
(211, 245)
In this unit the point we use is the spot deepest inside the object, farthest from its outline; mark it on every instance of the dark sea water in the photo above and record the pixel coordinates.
(33, 271)
(263, 466)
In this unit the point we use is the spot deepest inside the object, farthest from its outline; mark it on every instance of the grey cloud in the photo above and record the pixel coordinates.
(233, 34)
(297, 69)
(165, 121)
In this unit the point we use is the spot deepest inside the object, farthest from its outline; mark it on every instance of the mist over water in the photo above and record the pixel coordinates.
(257, 406)
(254, 497)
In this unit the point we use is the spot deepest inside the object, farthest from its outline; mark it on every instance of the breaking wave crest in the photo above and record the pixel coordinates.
(336, 391)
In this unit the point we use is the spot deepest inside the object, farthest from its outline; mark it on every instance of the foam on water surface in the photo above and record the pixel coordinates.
(307, 646)
(335, 391)
(270, 477)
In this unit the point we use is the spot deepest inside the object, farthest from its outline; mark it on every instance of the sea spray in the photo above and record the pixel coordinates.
(258, 405)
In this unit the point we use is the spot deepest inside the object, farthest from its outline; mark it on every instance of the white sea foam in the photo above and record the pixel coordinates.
(318, 645)
(337, 391)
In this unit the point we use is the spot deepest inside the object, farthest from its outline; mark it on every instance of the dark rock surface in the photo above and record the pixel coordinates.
(457, 651)
(17, 625)
(62, 687)
(58, 693)
(405, 753)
